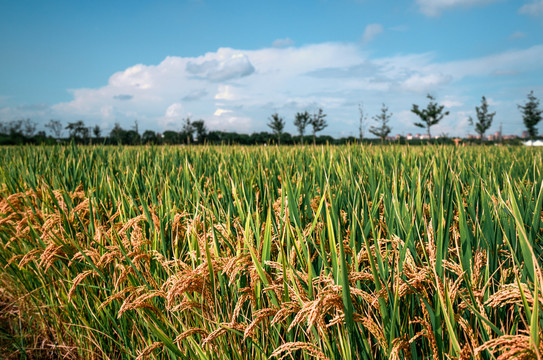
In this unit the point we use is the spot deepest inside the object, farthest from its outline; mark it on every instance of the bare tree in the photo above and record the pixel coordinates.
(29, 127)
(361, 121)
(55, 126)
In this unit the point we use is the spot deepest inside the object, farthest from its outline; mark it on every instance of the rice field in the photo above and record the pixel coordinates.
(210, 252)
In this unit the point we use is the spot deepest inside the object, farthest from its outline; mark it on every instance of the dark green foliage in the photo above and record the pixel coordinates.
(318, 122)
(383, 130)
(430, 116)
(301, 120)
(531, 114)
(484, 118)
(277, 124)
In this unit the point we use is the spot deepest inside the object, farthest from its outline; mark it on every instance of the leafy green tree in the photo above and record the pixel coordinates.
(277, 124)
(199, 127)
(531, 114)
(171, 137)
(96, 131)
(149, 137)
(484, 118)
(78, 131)
(187, 131)
(318, 122)
(430, 116)
(117, 134)
(383, 129)
(301, 120)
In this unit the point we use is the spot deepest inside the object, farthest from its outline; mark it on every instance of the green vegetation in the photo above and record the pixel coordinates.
(202, 252)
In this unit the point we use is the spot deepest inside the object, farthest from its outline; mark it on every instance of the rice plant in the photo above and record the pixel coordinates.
(271, 253)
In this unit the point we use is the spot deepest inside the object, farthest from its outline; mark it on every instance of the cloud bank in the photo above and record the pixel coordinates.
(235, 89)
(436, 7)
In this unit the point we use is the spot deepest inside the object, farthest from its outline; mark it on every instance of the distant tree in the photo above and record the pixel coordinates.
(15, 128)
(149, 137)
(277, 124)
(187, 131)
(199, 127)
(484, 118)
(171, 137)
(430, 116)
(29, 128)
(531, 114)
(55, 126)
(78, 131)
(301, 120)
(131, 137)
(361, 121)
(383, 129)
(318, 122)
(117, 134)
(136, 134)
(96, 131)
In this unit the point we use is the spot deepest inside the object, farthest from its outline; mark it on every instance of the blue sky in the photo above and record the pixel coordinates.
(234, 63)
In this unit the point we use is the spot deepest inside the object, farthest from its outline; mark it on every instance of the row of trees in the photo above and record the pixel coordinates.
(24, 131)
(301, 120)
(430, 116)
(434, 113)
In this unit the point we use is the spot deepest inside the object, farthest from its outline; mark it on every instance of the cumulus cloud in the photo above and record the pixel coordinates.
(423, 83)
(436, 7)
(195, 95)
(371, 31)
(535, 8)
(222, 69)
(218, 88)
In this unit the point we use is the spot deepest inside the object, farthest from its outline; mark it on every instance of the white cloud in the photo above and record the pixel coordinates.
(174, 110)
(220, 112)
(436, 7)
(281, 43)
(226, 93)
(226, 66)
(448, 103)
(535, 8)
(371, 31)
(335, 76)
(424, 83)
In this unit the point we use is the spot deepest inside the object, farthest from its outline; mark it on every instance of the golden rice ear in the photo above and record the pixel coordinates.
(512, 347)
(288, 349)
(77, 280)
(149, 349)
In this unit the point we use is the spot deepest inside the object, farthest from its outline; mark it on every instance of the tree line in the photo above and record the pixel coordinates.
(196, 132)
